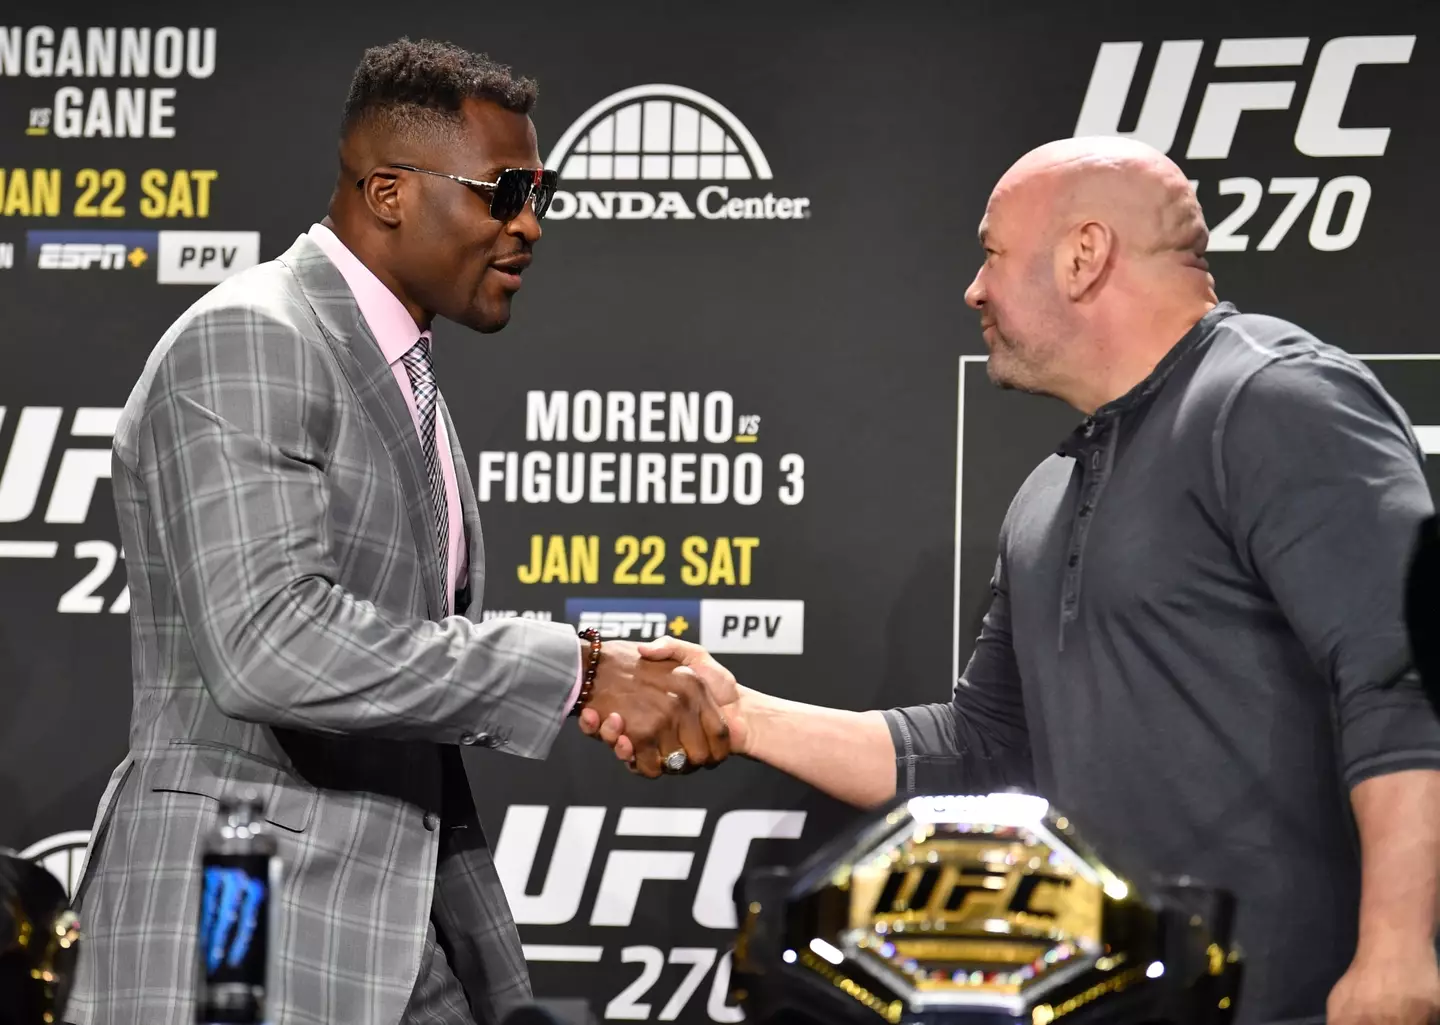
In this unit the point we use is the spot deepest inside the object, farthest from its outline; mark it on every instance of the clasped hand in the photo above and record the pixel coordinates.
(669, 719)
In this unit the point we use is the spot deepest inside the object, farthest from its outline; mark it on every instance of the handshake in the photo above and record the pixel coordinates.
(665, 707)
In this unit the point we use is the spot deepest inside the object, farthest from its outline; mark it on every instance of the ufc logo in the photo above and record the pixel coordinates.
(36, 428)
(627, 870)
(1318, 132)
(966, 894)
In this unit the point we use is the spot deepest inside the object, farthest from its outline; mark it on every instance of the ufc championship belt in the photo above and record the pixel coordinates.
(978, 909)
(39, 941)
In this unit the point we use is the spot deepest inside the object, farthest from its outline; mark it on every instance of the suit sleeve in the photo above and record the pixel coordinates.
(1325, 493)
(234, 451)
(977, 741)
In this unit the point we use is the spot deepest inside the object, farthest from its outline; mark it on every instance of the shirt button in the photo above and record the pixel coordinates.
(1085, 509)
(1074, 560)
(1095, 461)
(432, 821)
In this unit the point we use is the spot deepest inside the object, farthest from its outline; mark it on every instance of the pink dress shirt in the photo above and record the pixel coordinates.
(396, 332)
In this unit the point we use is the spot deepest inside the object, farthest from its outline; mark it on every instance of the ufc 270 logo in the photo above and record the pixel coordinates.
(82, 438)
(647, 860)
(1318, 131)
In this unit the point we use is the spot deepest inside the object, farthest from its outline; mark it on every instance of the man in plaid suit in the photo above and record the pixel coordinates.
(306, 570)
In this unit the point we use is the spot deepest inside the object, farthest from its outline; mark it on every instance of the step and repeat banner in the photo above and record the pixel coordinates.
(741, 400)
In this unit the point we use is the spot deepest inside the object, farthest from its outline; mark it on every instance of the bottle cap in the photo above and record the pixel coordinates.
(242, 808)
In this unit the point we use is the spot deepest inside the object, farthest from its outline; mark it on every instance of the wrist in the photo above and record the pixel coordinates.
(752, 708)
(1397, 945)
(590, 650)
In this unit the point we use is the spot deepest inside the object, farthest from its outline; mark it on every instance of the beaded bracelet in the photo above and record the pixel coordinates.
(593, 636)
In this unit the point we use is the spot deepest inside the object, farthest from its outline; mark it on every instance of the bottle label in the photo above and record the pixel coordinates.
(234, 929)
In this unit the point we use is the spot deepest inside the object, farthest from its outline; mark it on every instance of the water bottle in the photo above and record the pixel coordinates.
(240, 876)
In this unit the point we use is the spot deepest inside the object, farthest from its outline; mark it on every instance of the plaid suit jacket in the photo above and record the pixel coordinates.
(285, 583)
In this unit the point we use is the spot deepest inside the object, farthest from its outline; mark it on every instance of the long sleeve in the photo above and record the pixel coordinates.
(977, 741)
(234, 443)
(1323, 485)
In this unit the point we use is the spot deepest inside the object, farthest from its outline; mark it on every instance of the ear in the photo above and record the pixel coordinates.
(382, 197)
(1087, 255)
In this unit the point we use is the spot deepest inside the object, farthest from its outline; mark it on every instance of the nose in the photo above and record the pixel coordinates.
(525, 224)
(975, 295)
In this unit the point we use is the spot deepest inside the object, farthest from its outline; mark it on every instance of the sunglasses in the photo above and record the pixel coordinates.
(507, 194)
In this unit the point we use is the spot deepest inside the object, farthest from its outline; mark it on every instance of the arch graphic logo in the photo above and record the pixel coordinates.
(664, 152)
(63, 855)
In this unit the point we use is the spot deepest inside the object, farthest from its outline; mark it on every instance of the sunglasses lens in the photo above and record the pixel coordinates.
(545, 191)
(511, 192)
(517, 184)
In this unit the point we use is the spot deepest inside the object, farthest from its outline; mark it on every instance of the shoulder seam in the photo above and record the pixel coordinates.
(1222, 420)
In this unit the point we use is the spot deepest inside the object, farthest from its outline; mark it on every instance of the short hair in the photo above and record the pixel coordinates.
(410, 85)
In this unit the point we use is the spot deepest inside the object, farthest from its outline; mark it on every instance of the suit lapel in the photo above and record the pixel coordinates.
(374, 384)
(470, 515)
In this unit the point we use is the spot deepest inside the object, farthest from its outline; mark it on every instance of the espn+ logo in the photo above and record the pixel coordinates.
(1340, 203)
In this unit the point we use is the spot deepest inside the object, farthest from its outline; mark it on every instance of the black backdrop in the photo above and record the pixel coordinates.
(865, 498)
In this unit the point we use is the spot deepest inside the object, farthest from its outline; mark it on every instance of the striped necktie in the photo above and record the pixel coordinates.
(422, 382)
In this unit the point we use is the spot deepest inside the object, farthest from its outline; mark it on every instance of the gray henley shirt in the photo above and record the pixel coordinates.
(1196, 642)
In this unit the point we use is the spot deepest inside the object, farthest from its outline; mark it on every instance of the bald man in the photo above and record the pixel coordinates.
(1195, 645)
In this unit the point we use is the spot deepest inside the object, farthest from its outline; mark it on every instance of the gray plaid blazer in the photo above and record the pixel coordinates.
(285, 583)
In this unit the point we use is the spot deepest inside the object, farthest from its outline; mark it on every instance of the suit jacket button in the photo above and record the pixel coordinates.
(470, 738)
(432, 821)
(490, 740)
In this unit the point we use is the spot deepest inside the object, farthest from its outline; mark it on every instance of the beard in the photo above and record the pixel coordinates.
(1005, 364)
(1011, 367)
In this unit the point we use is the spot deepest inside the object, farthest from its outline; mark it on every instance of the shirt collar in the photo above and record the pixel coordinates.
(1078, 439)
(394, 329)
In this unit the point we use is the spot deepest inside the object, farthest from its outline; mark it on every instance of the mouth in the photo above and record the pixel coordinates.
(510, 269)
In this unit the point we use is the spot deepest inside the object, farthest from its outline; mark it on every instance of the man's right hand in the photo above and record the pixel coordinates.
(664, 706)
(614, 729)
(849, 755)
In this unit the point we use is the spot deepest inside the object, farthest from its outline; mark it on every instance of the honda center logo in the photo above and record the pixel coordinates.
(665, 133)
